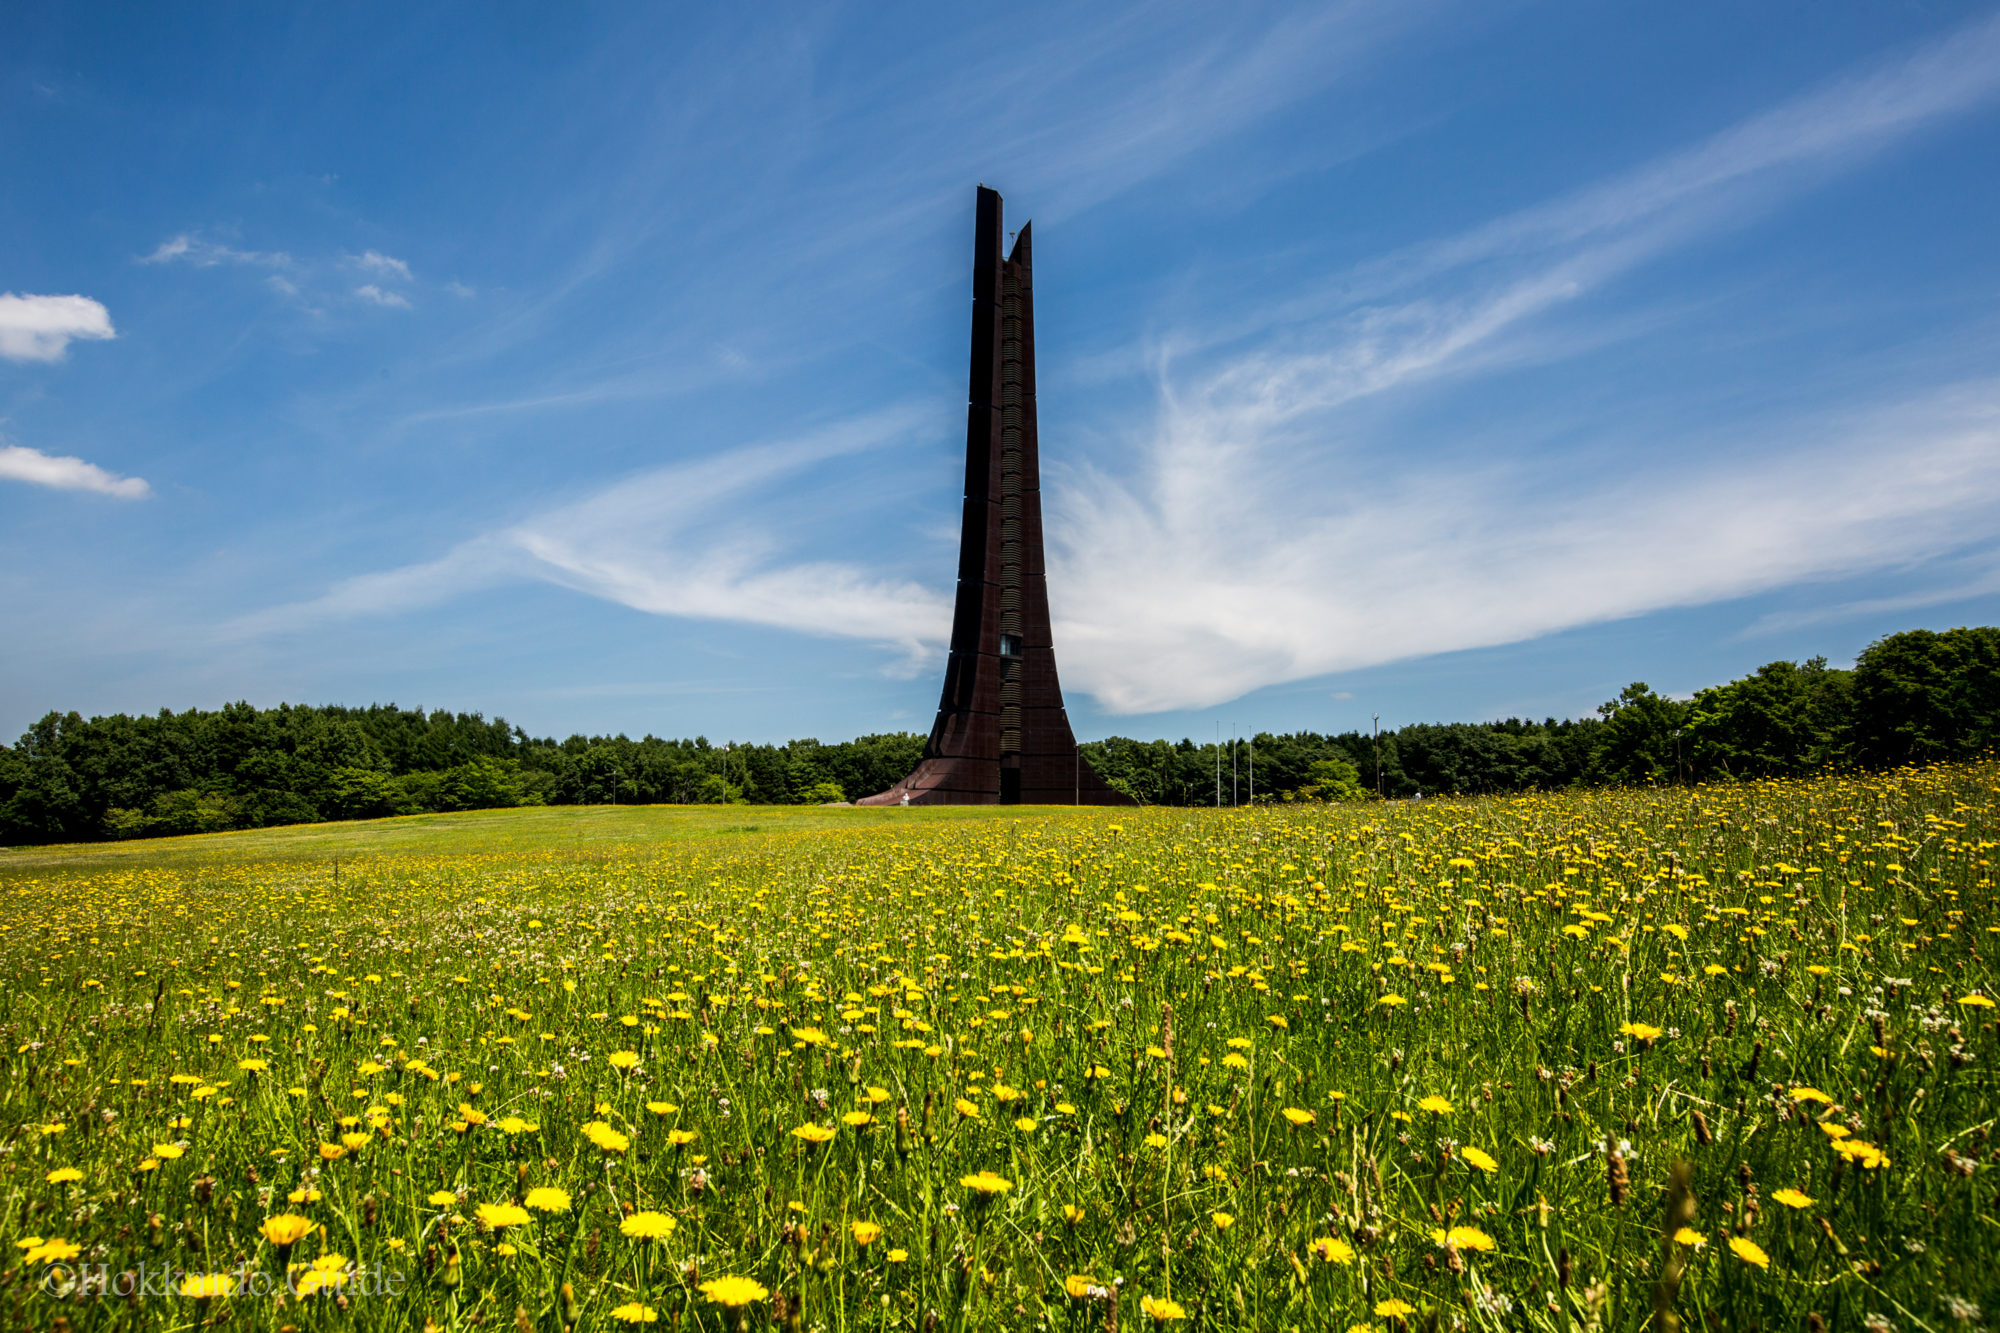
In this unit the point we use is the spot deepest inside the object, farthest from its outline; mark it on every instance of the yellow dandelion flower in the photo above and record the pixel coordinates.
(1161, 1310)
(733, 1291)
(814, 1133)
(287, 1229)
(605, 1137)
(1748, 1252)
(54, 1251)
(632, 1312)
(866, 1233)
(648, 1226)
(1479, 1158)
(207, 1286)
(498, 1215)
(546, 1199)
(987, 1183)
(1331, 1250)
(1463, 1238)
(1435, 1105)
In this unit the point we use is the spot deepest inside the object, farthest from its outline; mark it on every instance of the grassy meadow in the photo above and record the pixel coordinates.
(1719, 1058)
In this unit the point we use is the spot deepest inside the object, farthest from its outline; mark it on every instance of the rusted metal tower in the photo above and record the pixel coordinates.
(1001, 735)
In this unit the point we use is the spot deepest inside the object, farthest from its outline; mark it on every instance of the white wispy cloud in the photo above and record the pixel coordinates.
(374, 295)
(1397, 319)
(40, 328)
(20, 463)
(1238, 554)
(1211, 583)
(308, 281)
(187, 248)
(1763, 156)
(664, 542)
(1114, 127)
(374, 261)
(1963, 581)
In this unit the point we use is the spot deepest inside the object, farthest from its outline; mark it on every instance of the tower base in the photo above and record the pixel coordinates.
(963, 781)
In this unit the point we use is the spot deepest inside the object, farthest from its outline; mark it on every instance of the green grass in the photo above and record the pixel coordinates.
(583, 830)
(1435, 1065)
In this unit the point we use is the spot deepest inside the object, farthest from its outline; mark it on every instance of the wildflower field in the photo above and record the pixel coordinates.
(1719, 1057)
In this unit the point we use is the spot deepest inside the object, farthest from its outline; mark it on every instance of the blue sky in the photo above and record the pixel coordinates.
(602, 367)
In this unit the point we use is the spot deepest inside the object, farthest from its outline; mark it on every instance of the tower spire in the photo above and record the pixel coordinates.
(1001, 734)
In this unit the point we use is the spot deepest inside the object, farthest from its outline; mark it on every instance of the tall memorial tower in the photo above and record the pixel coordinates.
(1001, 735)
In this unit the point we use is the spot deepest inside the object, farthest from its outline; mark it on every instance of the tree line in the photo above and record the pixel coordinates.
(1914, 697)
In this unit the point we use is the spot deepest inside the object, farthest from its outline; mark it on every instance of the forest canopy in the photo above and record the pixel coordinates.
(1914, 697)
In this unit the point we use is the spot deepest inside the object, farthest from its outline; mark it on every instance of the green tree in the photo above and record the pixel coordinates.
(47, 803)
(1921, 696)
(1785, 719)
(1334, 780)
(1642, 740)
(484, 783)
(360, 793)
(192, 811)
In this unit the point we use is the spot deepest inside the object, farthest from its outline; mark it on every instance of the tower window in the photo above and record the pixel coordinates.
(1010, 645)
